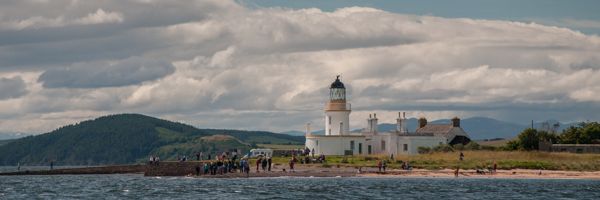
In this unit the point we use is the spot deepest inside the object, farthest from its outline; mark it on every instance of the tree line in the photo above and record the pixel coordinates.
(583, 133)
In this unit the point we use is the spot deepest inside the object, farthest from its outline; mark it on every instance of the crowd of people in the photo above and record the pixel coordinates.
(154, 160)
(230, 162)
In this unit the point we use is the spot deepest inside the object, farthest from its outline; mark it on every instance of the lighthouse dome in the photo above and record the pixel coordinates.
(337, 83)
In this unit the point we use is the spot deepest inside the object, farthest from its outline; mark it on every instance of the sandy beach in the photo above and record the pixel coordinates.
(308, 171)
(516, 173)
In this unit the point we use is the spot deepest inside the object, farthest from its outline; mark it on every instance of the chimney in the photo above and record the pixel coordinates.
(456, 122)
(399, 123)
(374, 123)
(369, 124)
(422, 122)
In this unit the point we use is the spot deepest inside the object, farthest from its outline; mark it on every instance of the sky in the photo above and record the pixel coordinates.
(266, 65)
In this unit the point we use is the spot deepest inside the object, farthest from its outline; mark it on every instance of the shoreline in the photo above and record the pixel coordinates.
(317, 171)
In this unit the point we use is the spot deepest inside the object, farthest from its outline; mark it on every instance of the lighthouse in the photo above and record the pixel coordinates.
(337, 110)
(370, 141)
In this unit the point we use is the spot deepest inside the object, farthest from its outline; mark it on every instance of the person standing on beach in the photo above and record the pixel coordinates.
(456, 172)
(379, 165)
(258, 162)
(292, 164)
(247, 167)
(51, 165)
(269, 162)
(383, 165)
(495, 167)
(264, 164)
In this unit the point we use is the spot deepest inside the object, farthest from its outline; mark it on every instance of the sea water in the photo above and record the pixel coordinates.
(135, 186)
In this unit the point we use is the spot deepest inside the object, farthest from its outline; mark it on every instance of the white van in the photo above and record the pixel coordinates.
(261, 152)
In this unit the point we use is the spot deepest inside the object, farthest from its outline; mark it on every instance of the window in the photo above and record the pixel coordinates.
(359, 148)
(382, 145)
(405, 147)
(329, 119)
(369, 149)
(352, 145)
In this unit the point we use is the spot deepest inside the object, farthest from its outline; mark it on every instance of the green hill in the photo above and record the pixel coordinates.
(127, 138)
(3, 142)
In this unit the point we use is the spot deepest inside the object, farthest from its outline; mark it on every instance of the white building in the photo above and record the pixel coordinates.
(338, 140)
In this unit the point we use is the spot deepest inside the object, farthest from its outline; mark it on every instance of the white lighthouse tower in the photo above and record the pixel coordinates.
(337, 111)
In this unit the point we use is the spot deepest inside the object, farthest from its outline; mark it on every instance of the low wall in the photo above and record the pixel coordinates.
(114, 169)
(173, 168)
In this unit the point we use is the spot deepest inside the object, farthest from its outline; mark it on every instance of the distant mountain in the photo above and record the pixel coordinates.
(293, 133)
(477, 127)
(128, 138)
(486, 128)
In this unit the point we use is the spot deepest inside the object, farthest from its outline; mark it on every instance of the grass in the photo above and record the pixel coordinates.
(475, 160)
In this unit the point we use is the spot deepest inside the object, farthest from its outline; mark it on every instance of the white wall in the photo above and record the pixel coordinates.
(394, 144)
(414, 142)
(336, 118)
(334, 145)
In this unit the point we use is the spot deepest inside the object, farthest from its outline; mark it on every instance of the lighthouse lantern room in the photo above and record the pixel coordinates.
(337, 110)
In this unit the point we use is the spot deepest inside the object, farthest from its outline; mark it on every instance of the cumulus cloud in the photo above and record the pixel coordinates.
(219, 64)
(106, 74)
(98, 17)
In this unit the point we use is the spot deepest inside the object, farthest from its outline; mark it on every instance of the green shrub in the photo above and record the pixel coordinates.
(443, 148)
(472, 146)
(459, 147)
(344, 160)
(424, 150)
